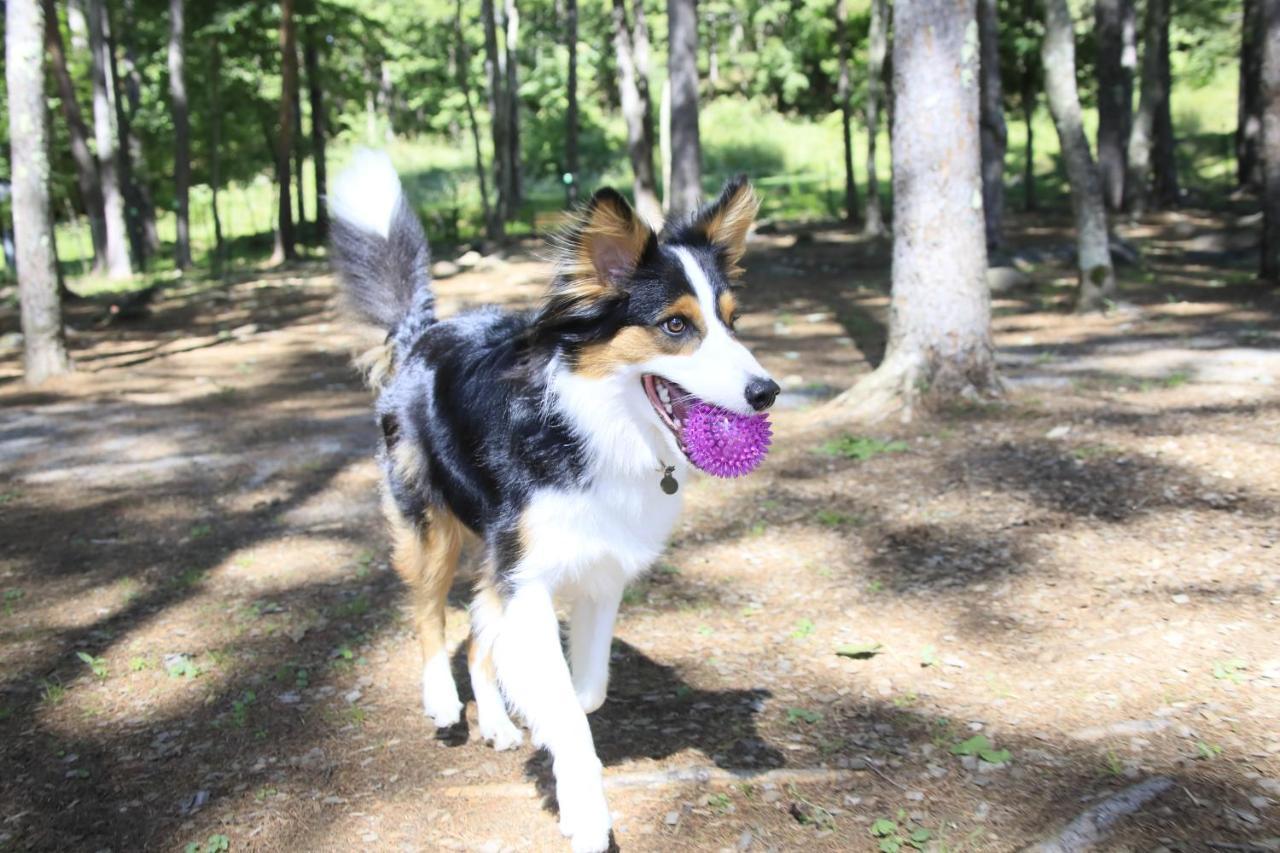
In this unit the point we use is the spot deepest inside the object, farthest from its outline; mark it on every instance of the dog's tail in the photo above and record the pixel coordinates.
(378, 246)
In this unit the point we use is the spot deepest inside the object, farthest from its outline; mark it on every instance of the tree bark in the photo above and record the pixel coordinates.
(571, 113)
(319, 132)
(846, 111)
(78, 133)
(511, 61)
(1249, 104)
(995, 136)
(44, 347)
(940, 309)
(877, 48)
(104, 131)
(284, 249)
(1164, 162)
(299, 196)
(181, 133)
(140, 211)
(1153, 108)
(637, 110)
(497, 122)
(682, 71)
(215, 151)
(1058, 54)
(1029, 202)
(464, 83)
(1116, 61)
(1270, 93)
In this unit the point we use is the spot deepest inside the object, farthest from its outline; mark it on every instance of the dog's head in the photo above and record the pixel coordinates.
(653, 314)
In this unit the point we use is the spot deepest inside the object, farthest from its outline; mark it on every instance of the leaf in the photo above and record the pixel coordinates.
(794, 714)
(890, 845)
(882, 827)
(920, 835)
(994, 756)
(804, 628)
(972, 746)
(929, 656)
(860, 651)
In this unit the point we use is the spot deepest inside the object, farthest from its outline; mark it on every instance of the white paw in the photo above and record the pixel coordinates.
(439, 693)
(591, 699)
(584, 814)
(501, 732)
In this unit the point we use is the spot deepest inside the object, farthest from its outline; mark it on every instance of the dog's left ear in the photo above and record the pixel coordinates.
(726, 221)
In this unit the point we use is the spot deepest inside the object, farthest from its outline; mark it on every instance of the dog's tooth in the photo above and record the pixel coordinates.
(663, 394)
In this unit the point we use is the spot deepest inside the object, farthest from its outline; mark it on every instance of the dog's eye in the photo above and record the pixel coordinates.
(674, 325)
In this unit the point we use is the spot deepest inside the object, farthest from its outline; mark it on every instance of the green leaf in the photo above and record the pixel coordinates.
(994, 756)
(972, 746)
(861, 651)
(883, 827)
(804, 628)
(921, 835)
(890, 845)
(929, 656)
(795, 714)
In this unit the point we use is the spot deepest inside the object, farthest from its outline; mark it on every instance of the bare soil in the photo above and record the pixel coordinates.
(1086, 573)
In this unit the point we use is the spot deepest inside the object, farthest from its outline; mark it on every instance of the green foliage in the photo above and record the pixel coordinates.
(980, 746)
(859, 651)
(795, 715)
(861, 448)
(98, 665)
(214, 844)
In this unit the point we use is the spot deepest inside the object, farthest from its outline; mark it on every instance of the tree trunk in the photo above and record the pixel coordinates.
(1152, 106)
(571, 113)
(215, 151)
(78, 133)
(299, 205)
(510, 52)
(846, 111)
(940, 309)
(464, 84)
(637, 111)
(1164, 165)
(1029, 202)
(44, 349)
(877, 47)
(284, 241)
(104, 131)
(1249, 105)
(1114, 25)
(995, 136)
(497, 122)
(140, 211)
(1270, 93)
(319, 131)
(682, 71)
(181, 134)
(1058, 54)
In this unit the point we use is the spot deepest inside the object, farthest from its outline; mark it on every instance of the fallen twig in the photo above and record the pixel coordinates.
(662, 778)
(1089, 827)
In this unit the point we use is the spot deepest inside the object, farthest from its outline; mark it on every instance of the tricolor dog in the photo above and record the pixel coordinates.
(554, 437)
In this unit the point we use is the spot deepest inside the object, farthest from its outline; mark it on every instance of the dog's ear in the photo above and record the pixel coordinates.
(607, 242)
(726, 221)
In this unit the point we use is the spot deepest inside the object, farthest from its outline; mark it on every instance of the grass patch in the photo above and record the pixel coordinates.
(861, 448)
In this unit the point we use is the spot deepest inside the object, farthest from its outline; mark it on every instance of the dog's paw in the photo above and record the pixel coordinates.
(584, 813)
(591, 699)
(502, 733)
(440, 702)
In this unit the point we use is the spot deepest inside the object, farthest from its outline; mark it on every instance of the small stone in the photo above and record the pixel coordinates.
(745, 839)
(1060, 431)
(444, 269)
(771, 796)
(672, 818)
(1181, 598)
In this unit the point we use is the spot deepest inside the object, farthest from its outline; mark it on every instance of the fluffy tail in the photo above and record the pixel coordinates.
(378, 246)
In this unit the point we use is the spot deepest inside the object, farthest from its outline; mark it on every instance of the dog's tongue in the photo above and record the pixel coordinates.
(725, 443)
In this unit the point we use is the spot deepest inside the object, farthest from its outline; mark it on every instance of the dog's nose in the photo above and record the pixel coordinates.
(761, 392)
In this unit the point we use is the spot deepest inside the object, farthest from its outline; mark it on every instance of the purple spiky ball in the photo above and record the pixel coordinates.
(725, 443)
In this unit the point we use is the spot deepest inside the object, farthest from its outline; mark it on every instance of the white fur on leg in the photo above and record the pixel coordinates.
(495, 726)
(590, 642)
(534, 676)
(439, 693)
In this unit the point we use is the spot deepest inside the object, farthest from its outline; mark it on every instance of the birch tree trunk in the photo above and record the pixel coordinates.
(1270, 141)
(78, 134)
(1152, 103)
(511, 51)
(1249, 103)
(215, 150)
(299, 156)
(682, 71)
(464, 85)
(1058, 53)
(284, 249)
(994, 133)
(497, 122)
(319, 131)
(571, 114)
(181, 133)
(637, 112)
(44, 349)
(105, 137)
(1116, 60)
(940, 309)
(877, 47)
(846, 111)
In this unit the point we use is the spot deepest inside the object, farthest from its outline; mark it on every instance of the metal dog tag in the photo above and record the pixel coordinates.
(669, 484)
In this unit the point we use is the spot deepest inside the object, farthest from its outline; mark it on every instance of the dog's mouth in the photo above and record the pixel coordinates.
(672, 403)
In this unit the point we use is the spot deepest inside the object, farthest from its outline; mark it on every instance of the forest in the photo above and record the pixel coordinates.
(1006, 580)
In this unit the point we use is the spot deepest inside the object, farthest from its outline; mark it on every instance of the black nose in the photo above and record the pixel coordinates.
(761, 393)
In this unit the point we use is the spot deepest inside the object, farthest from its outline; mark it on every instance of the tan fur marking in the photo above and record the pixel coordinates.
(632, 345)
(729, 226)
(727, 305)
(687, 307)
(606, 230)
(426, 560)
(407, 462)
(377, 365)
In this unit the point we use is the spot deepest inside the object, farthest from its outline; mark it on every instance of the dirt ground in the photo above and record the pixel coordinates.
(202, 642)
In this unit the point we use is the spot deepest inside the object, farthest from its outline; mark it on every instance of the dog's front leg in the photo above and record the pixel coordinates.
(590, 641)
(535, 677)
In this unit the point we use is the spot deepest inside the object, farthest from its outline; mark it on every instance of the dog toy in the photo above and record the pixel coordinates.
(724, 443)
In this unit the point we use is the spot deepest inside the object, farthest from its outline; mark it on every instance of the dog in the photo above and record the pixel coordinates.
(551, 436)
